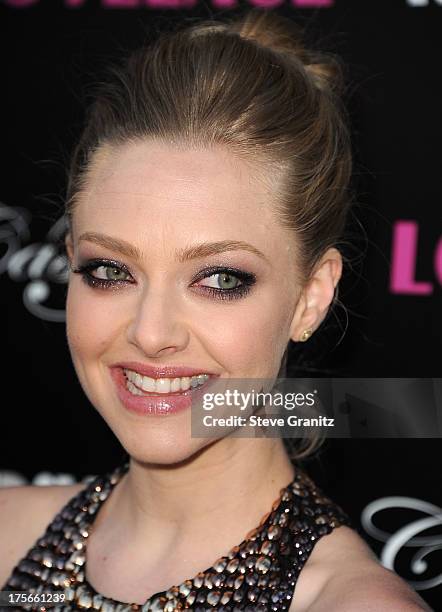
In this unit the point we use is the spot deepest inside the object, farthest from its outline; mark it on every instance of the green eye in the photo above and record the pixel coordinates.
(227, 281)
(110, 273)
(103, 274)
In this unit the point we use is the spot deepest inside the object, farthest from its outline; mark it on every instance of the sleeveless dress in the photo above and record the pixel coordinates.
(259, 574)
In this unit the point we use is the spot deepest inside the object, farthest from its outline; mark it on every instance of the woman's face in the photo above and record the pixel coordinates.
(157, 307)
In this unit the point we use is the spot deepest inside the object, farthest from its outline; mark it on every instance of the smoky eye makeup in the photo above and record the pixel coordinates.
(227, 282)
(243, 281)
(103, 273)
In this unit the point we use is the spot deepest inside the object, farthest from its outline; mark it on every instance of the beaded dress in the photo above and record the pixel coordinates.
(259, 574)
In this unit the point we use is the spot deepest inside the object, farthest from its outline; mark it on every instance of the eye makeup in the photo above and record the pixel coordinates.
(109, 267)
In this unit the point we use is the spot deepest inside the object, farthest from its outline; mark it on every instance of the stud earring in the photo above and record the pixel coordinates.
(306, 335)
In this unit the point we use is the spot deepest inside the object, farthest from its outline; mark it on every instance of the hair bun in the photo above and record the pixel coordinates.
(283, 36)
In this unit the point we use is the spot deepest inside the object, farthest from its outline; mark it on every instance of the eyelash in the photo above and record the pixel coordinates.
(247, 279)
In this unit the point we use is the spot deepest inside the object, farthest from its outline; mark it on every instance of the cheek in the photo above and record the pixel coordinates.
(250, 341)
(90, 324)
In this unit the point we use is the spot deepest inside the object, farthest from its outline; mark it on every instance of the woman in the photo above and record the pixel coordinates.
(206, 199)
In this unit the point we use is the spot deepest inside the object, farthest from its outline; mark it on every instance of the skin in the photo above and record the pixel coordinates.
(160, 199)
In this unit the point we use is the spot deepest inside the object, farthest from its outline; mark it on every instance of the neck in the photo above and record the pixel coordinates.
(232, 477)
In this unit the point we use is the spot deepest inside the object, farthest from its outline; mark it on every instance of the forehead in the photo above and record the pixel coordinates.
(185, 191)
(166, 173)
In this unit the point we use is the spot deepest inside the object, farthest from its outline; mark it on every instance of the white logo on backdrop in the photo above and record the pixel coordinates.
(417, 3)
(39, 265)
(12, 478)
(404, 536)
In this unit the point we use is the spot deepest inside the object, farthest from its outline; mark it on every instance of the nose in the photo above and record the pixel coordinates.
(157, 328)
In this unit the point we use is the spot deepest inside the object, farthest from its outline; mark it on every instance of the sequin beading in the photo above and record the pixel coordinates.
(259, 574)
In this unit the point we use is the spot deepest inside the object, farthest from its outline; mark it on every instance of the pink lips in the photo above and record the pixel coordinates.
(159, 372)
(160, 404)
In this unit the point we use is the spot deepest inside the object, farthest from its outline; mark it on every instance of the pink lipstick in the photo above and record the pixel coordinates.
(154, 403)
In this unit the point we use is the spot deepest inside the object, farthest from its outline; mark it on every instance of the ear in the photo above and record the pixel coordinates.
(69, 244)
(317, 295)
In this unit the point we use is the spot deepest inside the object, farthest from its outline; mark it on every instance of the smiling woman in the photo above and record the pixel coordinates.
(207, 197)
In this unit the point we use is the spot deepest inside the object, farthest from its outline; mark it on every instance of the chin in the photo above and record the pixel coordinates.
(163, 451)
(164, 440)
(157, 440)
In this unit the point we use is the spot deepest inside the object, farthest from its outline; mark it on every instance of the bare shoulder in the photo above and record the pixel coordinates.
(25, 513)
(343, 574)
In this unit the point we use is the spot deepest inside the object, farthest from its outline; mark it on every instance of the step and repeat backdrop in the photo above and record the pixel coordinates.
(387, 324)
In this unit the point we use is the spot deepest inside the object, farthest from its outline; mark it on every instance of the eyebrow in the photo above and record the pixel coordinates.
(196, 251)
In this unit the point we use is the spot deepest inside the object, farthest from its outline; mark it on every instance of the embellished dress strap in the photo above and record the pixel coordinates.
(43, 569)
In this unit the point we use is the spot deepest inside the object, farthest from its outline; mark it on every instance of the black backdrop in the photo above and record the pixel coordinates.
(50, 51)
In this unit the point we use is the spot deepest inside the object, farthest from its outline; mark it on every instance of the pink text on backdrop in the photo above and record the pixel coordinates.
(177, 4)
(404, 258)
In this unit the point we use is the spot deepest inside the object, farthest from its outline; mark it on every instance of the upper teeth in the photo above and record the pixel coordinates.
(163, 385)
